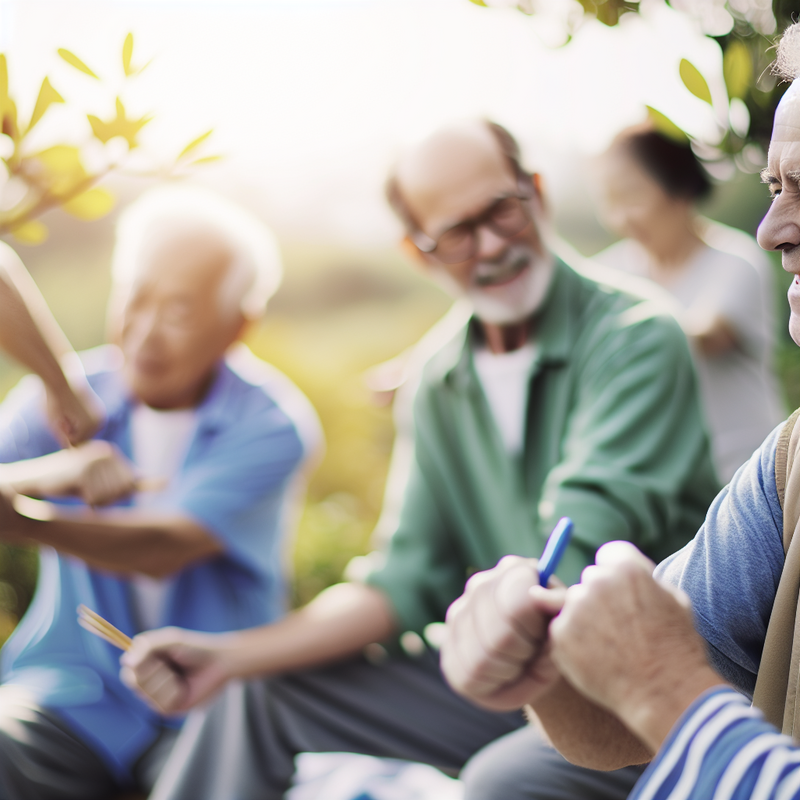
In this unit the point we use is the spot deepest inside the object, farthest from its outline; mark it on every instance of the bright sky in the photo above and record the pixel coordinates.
(311, 99)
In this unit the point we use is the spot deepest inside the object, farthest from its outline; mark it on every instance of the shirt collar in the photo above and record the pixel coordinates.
(212, 411)
(555, 331)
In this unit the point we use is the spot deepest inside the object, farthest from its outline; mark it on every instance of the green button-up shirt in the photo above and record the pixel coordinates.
(614, 439)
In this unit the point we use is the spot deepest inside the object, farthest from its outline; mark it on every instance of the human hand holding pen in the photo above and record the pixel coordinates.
(496, 651)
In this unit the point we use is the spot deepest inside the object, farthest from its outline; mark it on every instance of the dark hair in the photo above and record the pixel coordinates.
(507, 145)
(671, 164)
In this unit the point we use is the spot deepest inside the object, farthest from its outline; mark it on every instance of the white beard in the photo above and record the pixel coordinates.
(511, 302)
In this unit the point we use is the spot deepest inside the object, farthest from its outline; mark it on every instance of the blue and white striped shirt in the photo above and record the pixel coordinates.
(722, 749)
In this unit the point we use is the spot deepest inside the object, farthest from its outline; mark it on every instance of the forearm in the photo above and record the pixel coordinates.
(37, 477)
(584, 733)
(339, 622)
(127, 541)
(28, 331)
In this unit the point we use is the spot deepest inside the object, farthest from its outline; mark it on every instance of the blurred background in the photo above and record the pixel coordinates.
(309, 102)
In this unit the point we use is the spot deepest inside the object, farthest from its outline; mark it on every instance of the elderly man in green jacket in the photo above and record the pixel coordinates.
(559, 396)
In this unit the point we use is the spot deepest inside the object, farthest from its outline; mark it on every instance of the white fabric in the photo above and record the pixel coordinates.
(738, 388)
(504, 377)
(346, 776)
(159, 442)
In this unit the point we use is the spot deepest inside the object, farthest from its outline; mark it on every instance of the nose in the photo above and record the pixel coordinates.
(780, 228)
(142, 329)
(490, 244)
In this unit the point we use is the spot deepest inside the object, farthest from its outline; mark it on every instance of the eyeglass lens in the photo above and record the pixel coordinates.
(506, 217)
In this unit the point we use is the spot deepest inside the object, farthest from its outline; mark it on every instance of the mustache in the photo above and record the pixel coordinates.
(511, 262)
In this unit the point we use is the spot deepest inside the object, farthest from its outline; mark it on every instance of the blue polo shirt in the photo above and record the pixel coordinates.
(254, 429)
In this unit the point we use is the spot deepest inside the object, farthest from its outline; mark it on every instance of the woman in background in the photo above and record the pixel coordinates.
(650, 185)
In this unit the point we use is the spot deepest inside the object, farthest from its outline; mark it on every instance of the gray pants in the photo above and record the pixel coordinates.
(243, 746)
(42, 759)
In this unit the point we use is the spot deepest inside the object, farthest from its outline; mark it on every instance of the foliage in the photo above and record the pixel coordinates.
(65, 174)
(744, 30)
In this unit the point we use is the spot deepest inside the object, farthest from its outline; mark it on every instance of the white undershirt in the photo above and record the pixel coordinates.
(504, 377)
(159, 440)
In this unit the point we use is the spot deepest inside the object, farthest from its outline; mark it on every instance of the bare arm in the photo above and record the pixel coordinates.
(629, 644)
(173, 669)
(127, 541)
(584, 733)
(712, 335)
(29, 334)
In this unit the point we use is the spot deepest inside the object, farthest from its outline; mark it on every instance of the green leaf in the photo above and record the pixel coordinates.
(479, 3)
(127, 55)
(119, 126)
(663, 124)
(90, 205)
(63, 167)
(8, 110)
(74, 61)
(3, 78)
(694, 81)
(47, 96)
(61, 158)
(30, 232)
(206, 160)
(737, 68)
(194, 144)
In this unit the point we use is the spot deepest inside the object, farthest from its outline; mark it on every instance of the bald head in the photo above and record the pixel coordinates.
(454, 169)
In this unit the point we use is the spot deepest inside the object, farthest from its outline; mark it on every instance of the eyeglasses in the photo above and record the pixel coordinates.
(506, 217)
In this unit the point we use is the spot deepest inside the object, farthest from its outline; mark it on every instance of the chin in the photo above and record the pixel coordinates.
(794, 328)
(516, 301)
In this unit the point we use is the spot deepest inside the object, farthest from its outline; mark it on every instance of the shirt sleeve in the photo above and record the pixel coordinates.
(635, 463)
(420, 551)
(743, 298)
(722, 748)
(732, 568)
(234, 484)
(24, 432)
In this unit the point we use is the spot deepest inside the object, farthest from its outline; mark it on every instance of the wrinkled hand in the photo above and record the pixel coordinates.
(628, 642)
(496, 652)
(75, 413)
(95, 471)
(173, 670)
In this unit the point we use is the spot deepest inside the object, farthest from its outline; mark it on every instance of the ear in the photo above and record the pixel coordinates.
(411, 251)
(539, 192)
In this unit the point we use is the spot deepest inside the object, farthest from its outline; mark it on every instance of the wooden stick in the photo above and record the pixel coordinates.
(92, 621)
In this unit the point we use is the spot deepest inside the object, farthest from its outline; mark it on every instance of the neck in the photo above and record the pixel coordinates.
(505, 338)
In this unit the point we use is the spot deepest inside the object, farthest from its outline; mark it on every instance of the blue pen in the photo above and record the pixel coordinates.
(557, 543)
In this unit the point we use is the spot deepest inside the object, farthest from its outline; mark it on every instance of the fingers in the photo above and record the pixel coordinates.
(496, 629)
(173, 669)
(157, 684)
(106, 475)
(613, 554)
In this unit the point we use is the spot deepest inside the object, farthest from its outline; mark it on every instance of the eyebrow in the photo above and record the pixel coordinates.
(770, 178)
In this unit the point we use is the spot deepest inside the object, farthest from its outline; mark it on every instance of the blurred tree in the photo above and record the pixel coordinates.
(743, 30)
(65, 174)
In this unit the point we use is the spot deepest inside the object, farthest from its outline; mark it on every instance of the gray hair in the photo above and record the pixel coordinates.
(255, 270)
(787, 63)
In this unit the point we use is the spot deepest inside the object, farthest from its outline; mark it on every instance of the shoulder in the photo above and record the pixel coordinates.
(616, 316)
(624, 255)
(259, 390)
(732, 567)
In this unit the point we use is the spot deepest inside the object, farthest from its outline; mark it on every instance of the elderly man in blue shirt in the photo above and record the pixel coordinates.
(201, 447)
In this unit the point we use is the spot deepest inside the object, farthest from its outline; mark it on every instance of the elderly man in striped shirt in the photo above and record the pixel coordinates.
(625, 668)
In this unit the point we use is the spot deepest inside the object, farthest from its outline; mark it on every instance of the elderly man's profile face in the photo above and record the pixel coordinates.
(173, 328)
(780, 228)
(455, 176)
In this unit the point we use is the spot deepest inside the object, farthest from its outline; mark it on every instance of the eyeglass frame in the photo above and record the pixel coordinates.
(427, 245)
